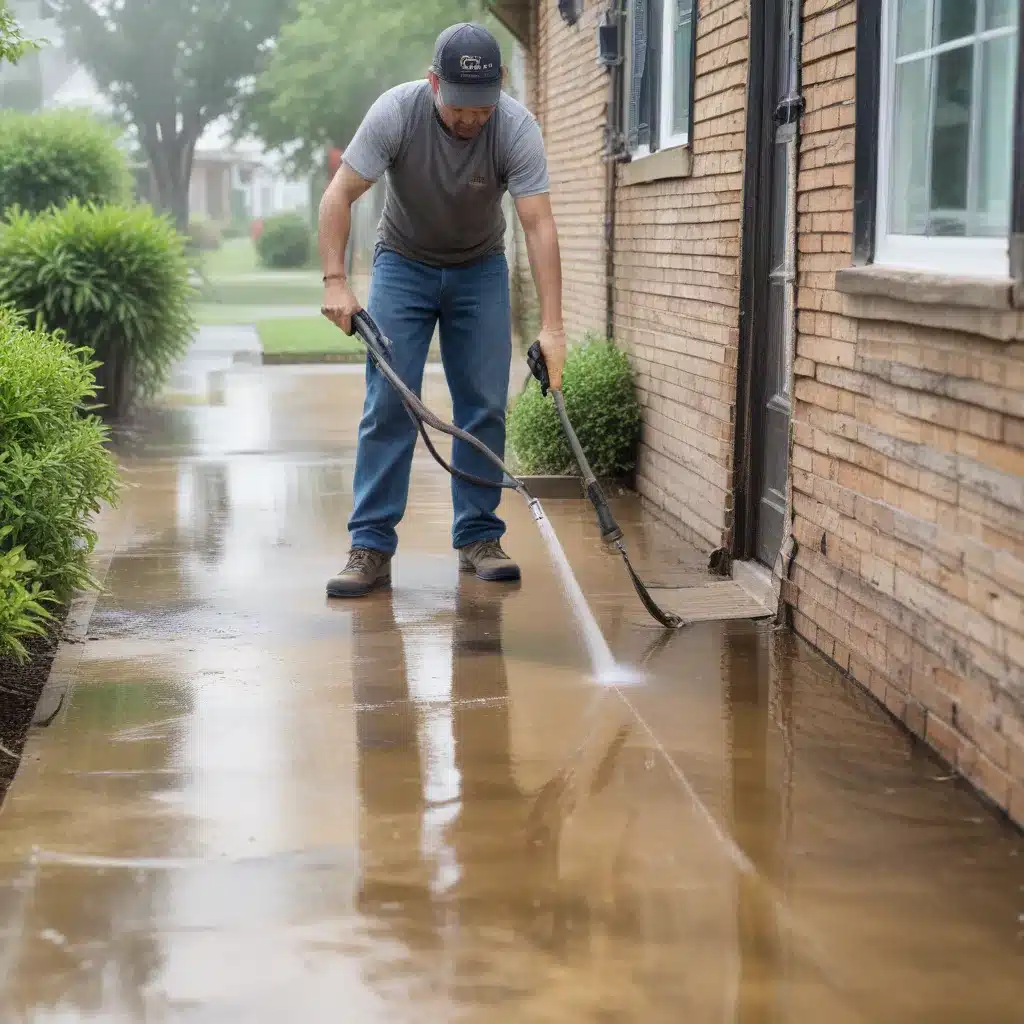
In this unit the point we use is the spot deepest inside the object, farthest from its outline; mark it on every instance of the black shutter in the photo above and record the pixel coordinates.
(638, 66)
(655, 26)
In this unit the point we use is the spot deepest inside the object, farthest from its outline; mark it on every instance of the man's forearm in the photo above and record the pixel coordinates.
(546, 264)
(334, 225)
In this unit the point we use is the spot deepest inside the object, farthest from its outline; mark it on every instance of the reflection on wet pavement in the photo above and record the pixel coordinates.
(258, 805)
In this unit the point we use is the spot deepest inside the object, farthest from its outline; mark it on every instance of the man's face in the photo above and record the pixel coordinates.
(465, 122)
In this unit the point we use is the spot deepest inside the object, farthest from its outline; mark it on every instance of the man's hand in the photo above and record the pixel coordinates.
(552, 347)
(339, 304)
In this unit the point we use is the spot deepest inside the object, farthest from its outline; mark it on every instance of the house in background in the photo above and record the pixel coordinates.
(230, 181)
(240, 180)
(804, 221)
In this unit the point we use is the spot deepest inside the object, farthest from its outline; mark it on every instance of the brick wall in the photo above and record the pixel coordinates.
(908, 454)
(677, 283)
(569, 96)
(677, 253)
(908, 475)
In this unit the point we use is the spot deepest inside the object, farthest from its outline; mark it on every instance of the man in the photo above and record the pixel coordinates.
(451, 146)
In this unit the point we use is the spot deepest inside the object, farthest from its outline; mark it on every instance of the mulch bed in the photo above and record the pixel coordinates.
(20, 687)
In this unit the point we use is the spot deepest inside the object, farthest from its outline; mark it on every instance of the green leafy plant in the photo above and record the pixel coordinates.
(597, 384)
(55, 472)
(285, 242)
(48, 158)
(13, 44)
(23, 610)
(204, 234)
(115, 280)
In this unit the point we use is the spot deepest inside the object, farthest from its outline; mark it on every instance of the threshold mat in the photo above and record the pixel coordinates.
(712, 601)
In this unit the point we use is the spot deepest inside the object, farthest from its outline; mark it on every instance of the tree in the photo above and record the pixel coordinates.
(171, 68)
(336, 57)
(13, 45)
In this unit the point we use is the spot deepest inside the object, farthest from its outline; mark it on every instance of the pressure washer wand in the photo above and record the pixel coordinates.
(379, 350)
(611, 533)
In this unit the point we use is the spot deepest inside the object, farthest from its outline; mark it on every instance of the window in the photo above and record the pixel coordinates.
(946, 104)
(659, 74)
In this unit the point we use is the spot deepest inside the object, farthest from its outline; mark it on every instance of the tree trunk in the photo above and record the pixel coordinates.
(171, 161)
(175, 202)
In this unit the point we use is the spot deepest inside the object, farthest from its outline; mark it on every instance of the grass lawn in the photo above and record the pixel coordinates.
(235, 256)
(213, 313)
(306, 336)
(304, 291)
(235, 278)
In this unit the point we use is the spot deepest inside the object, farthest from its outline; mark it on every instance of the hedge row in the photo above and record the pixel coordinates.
(55, 472)
(94, 309)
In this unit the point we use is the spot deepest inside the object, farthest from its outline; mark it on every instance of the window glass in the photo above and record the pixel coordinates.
(951, 118)
(682, 41)
(995, 155)
(912, 26)
(955, 19)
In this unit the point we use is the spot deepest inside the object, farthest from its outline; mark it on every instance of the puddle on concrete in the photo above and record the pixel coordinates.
(260, 805)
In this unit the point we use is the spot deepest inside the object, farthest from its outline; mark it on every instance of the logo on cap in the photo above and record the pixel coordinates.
(468, 63)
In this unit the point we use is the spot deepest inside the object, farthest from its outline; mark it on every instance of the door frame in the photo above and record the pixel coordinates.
(765, 24)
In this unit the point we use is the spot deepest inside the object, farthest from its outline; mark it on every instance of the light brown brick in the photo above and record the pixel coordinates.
(990, 742)
(944, 738)
(988, 777)
(1015, 807)
(935, 699)
(908, 451)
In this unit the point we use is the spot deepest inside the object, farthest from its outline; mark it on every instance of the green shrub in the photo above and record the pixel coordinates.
(285, 242)
(23, 611)
(597, 384)
(47, 159)
(54, 473)
(204, 234)
(115, 280)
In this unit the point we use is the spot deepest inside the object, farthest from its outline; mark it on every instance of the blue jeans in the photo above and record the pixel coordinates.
(471, 304)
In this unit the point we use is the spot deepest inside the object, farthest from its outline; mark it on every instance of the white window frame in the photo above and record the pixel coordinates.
(666, 138)
(962, 256)
(669, 11)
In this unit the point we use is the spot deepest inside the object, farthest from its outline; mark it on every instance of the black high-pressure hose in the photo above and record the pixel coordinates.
(379, 349)
(611, 533)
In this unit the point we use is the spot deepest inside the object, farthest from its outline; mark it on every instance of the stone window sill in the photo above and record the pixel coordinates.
(662, 166)
(971, 305)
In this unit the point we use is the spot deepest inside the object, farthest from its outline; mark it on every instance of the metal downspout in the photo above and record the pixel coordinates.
(612, 155)
(791, 110)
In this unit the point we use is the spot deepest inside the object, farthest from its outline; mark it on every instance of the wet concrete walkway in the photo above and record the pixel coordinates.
(256, 805)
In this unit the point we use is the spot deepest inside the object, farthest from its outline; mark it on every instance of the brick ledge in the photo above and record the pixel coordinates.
(969, 305)
(661, 166)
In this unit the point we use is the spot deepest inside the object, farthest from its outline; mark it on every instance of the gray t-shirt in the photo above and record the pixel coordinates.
(443, 200)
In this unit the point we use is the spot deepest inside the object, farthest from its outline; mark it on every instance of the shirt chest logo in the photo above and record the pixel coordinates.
(478, 181)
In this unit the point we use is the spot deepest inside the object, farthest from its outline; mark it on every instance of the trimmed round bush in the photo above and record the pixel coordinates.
(54, 473)
(284, 242)
(597, 385)
(204, 234)
(49, 158)
(114, 279)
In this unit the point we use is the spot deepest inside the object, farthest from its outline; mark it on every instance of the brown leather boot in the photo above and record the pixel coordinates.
(366, 570)
(488, 561)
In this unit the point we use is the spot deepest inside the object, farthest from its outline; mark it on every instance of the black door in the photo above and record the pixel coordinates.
(768, 309)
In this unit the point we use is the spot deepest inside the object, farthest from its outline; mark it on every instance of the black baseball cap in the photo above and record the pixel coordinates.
(467, 60)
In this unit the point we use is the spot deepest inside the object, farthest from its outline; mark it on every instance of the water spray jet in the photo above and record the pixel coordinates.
(379, 349)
